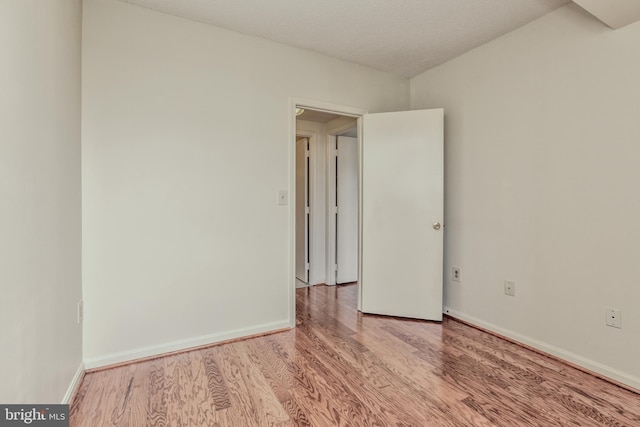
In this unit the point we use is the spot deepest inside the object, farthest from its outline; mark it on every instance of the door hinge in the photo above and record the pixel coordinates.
(307, 210)
(306, 153)
(335, 210)
(335, 267)
(307, 266)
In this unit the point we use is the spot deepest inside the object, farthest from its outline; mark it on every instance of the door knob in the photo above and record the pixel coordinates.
(436, 226)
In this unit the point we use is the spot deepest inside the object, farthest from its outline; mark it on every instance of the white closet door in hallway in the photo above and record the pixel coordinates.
(347, 210)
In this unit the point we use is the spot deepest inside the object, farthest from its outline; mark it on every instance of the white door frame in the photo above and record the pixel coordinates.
(330, 108)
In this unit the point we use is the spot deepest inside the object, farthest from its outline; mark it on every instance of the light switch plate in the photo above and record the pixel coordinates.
(614, 318)
(283, 197)
(510, 288)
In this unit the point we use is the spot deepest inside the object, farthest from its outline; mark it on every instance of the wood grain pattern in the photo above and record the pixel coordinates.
(342, 368)
(215, 380)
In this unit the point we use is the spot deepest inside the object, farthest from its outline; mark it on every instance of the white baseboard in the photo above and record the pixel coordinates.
(156, 350)
(583, 362)
(75, 383)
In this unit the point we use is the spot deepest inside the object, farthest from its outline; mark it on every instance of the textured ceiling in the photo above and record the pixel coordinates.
(404, 37)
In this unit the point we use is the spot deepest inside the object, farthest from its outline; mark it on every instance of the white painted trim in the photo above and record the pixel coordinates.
(360, 189)
(327, 107)
(74, 385)
(156, 350)
(321, 106)
(292, 213)
(568, 356)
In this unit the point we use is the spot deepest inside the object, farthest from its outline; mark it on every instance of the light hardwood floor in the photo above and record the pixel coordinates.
(339, 367)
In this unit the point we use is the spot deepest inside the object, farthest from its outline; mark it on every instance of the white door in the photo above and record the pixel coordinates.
(302, 209)
(402, 213)
(347, 210)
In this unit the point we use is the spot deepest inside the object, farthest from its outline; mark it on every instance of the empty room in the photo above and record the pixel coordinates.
(321, 213)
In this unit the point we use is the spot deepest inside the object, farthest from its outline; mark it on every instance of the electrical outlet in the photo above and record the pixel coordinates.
(79, 312)
(510, 288)
(613, 317)
(456, 274)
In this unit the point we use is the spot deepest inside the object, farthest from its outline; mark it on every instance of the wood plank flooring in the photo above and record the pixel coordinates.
(342, 368)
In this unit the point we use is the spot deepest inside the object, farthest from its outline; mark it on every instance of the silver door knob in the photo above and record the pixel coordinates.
(436, 226)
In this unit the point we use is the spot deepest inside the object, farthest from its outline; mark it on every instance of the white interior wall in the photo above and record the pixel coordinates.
(186, 142)
(540, 173)
(541, 160)
(40, 220)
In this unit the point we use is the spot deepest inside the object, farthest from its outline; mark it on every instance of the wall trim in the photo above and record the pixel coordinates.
(181, 345)
(74, 385)
(584, 364)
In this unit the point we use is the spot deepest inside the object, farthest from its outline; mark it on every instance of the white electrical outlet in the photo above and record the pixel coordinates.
(510, 288)
(613, 317)
(456, 274)
(79, 313)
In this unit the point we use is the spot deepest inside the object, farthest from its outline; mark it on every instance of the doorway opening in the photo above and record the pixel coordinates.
(326, 191)
(399, 214)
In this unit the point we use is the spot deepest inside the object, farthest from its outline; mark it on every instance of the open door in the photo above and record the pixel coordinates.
(347, 210)
(402, 213)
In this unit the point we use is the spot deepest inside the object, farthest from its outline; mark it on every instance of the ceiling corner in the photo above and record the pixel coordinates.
(613, 13)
